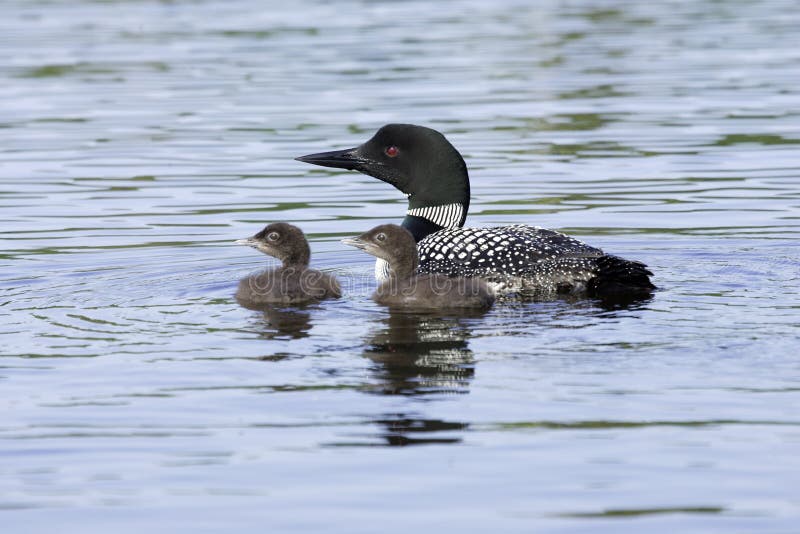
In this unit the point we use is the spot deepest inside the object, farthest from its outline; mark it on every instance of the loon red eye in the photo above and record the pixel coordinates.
(392, 151)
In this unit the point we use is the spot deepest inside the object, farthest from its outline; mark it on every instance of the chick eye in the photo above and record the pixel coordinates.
(380, 237)
(392, 151)
(273, 236)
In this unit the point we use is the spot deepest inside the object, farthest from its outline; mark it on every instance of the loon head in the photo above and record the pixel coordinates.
(282, 241)
(418, 161)
(391, 243)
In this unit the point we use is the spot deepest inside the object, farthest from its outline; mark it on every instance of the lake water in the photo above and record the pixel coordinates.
(139, 139)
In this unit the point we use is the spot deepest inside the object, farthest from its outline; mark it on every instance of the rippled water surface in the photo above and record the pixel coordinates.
(139, 139)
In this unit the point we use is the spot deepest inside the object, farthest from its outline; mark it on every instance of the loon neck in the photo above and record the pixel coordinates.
(419, 227)
(425, 220)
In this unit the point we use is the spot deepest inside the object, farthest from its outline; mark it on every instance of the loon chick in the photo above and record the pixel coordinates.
(291, 283)
(421, 163)
(404, 288)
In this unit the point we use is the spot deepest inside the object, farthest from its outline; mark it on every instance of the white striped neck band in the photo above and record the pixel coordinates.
(447, 216)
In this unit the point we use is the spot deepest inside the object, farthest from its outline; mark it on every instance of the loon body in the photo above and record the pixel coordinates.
(404, 287)
(291, 283)
(421, 163)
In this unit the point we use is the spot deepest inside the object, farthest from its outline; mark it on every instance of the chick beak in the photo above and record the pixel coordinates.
(250, 242)
(355, 242)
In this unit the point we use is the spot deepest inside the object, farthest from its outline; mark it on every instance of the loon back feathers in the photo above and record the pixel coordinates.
(513, 250)
(527, 257)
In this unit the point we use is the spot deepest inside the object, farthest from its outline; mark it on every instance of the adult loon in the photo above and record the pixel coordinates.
(291, 283)
(404, 288)
(421, 163)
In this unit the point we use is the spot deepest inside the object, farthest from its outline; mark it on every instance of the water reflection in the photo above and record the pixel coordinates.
(281, 322)
(400, 430)
(419, 354)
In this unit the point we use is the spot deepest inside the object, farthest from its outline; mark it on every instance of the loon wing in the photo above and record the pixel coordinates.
(507, 249)
(516, 255)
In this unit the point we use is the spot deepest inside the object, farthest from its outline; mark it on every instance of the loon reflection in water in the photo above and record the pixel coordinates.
(419, 354)
(424, 355)
(278, 322)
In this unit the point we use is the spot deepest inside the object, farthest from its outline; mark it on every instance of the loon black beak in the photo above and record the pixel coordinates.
(353, 159)
(339, 159)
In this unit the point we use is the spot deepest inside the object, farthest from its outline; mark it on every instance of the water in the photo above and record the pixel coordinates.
(140, 139)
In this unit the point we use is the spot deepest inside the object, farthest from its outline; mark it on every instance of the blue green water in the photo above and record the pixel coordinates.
(139, 139)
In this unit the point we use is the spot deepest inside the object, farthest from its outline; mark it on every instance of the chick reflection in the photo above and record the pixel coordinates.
(421, 354)
(278, 322)
(401, 430)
